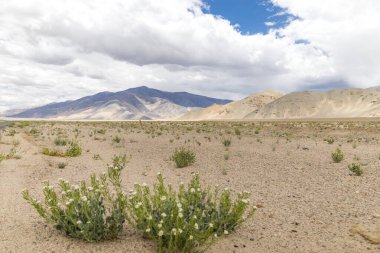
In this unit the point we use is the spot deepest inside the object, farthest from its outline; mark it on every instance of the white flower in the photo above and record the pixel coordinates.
(180, 215)
(79, 222)
(225, 232)
(147, 230)
(161, 233)
(226, 189)
(76, 187)
(180, 231)
(138, 205)
(179, 205)
(215, 235)
(84, 198)
(174, 231)
(199, 189)
(90, 188)
(192, 190)
(196, 226)
(150, 217)
(194, 216)
(159, 225)
(163, 198)
(245, 201)
(163, 215)
(191, 237)
(211, 225)
(254, 207)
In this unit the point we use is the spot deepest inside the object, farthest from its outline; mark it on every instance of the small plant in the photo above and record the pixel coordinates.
(355, 168)
(226, 143)
(74, 150)
(189, 220)
(183, 157)
(116, 139)
(226, 156)
(90, 212)
(51, 152)
(2, 157)
(34, 131)
(329, 140)
(60, 142)
(337, 156)
(61, 165)
(237, 131)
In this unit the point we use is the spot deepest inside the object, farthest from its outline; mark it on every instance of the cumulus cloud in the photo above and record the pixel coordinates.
(57, 50)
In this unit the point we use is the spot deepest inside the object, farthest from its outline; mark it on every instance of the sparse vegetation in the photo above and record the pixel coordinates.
(183, 157)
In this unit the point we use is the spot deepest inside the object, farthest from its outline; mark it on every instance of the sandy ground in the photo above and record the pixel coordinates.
(309, 203)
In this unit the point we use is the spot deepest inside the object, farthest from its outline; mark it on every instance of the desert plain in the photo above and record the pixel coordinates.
(306, 202)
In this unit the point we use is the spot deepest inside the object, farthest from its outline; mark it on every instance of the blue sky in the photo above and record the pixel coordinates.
(251, 15)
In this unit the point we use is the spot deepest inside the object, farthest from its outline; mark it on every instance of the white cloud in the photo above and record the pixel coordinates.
(57, 50)
(270, 23)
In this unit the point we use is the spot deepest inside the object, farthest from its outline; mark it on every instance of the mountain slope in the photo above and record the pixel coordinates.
(234, 110)
(135, 103)
(338, 103)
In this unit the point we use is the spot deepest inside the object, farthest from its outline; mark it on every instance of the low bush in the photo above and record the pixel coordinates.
(226, 143)
(187, 221)
(356, 169)
(91, 212)
(183, 157)
(60, 142)
(74, 150)
(337, 156)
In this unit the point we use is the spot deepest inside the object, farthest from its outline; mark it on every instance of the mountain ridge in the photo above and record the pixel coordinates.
(134, 103)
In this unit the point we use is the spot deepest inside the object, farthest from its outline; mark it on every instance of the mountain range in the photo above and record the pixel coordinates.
(147, 103)
(135, 103)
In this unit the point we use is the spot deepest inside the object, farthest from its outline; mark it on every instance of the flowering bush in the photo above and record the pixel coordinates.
(188, 220)
(90, 212)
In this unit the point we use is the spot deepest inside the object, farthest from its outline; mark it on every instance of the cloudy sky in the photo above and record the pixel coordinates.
(65, 49)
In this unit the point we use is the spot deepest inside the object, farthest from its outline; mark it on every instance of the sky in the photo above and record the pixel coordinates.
(52, 51)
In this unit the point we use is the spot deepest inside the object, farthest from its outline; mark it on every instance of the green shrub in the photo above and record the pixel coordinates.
(237, 131)
(92, 213)
(329, 140)
(2, 157)
(60, 142)
(34, 131)
(116, 139)
(183, 157)
(226, 143)
(74, 150)
(337, 156)
(61, 165)
(355, 168)
(189, 220)
(51, 152)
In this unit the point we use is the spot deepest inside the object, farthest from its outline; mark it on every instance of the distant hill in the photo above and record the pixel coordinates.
(135, 103)
(337, 103)
(234, 110)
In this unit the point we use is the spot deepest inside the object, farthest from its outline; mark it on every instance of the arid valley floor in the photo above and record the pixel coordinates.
(307, 203)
